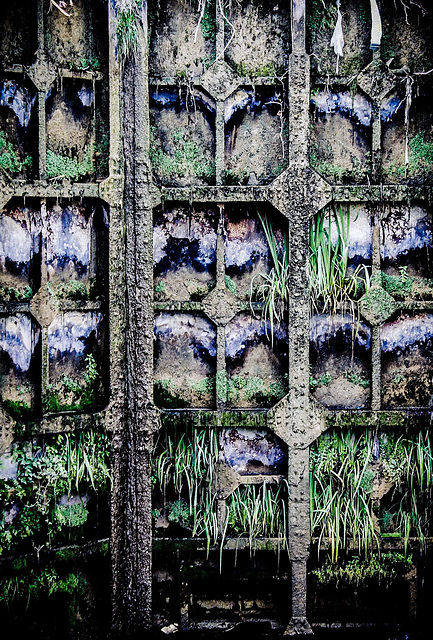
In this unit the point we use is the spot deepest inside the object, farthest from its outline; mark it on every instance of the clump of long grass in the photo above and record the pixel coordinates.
(258, 511)
(330, 282)
(127, 28)
(343, 470)
(183, 470)
(341, 486)
(408, 462)
(272, 288)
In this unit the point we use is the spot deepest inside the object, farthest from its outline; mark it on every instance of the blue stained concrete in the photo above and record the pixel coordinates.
(18, 338)
(19, 99)
(407, 332)
(68, 334)
(357, 107)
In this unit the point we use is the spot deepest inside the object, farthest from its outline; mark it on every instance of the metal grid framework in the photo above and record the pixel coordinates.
(298, 194)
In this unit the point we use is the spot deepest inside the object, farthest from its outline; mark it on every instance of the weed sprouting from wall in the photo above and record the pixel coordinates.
(419, 159)
(48, 497)
(188, 161)
(272, 289)
(128, 21)
(73, 394)
(357, 571)
(331, 285)
(16, 294)
(69, 290)
(183, 472)
(9, 160)
(364, 488)
(60, 167)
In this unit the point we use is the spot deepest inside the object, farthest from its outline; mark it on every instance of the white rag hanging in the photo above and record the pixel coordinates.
(376, 26)
(337, 40)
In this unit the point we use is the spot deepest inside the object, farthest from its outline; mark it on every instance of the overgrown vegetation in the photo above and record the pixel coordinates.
(256, 390)
(9, 160)
(16, 294)
(73, 394)
(62, 167)
(69, 290)
(258, 511)
(380, 567)
(404, 286)
(248, 70)
(322, 159)
(272, 289)
(408, 463)
(208, 24)
(420, 159)
(348, 507)
(186, 161)
(322, 381)
(47, 500)
(346, 472)
(168, 395)
(25, 587)
(18, 409)
(85, 64)
(331, 283)
(184, 470)
(341, 485)
(235, 390)
(128, 21)
(320, 16)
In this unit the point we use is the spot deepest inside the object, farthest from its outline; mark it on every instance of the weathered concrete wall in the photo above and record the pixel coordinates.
(143, 155)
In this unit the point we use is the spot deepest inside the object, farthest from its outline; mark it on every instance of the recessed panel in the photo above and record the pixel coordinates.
(255, 135)
(185, 361)
(182, 136)
(407, 361)
(254, 452)
(257, 362)
(20, 252)
(182, 40)
(257, 37)
(18, 128)
(70, 130)
(340, 143)
(340, 361)
(354, 37)
(76, 349)
(407, 135)
(19, 364)
(340, 248)
(406, 251)
(69, 245)
(406, 39)
(69, 33)
(18, 43)
(184, 253)
(248, 260)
